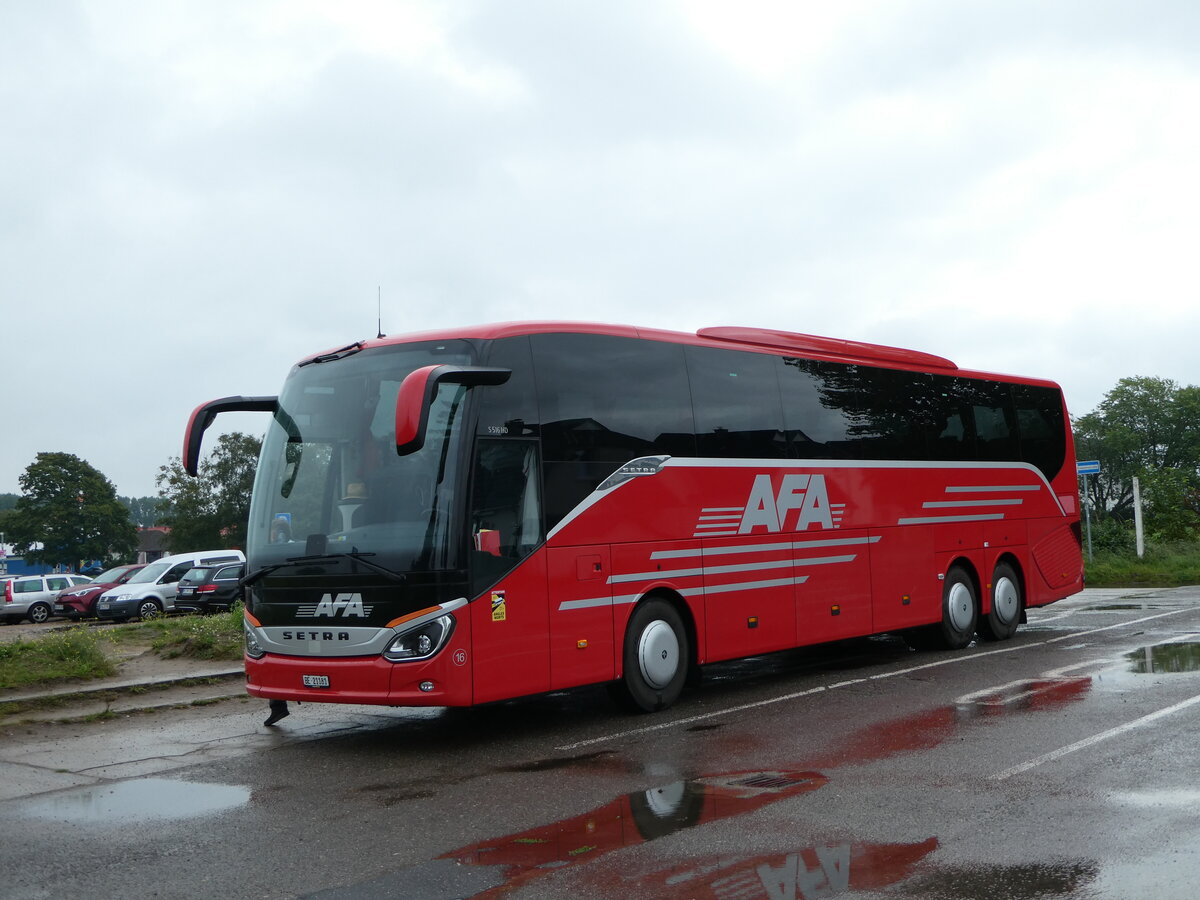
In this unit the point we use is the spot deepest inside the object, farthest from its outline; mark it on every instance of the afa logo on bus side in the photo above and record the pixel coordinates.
(799, 502)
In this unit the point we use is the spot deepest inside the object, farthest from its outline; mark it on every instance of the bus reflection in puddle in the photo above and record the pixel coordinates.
(821, 871)
(648, 815)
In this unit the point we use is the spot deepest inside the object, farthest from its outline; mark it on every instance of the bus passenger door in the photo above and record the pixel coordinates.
(581, 616)
(508, 575)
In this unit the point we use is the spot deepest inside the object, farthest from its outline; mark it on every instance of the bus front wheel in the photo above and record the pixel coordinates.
(655, 657)
(1001, 622)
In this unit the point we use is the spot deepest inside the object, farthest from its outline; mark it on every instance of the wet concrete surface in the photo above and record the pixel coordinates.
(1057, 764)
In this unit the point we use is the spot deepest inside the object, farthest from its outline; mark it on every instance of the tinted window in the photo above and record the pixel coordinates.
(736, 401)
(567, 484)
(1041, 427)
(856, 412)
(815, 423)
(506, 510)
(611, 399)
(509, 409)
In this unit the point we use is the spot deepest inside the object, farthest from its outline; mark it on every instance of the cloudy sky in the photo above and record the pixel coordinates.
(195, 195)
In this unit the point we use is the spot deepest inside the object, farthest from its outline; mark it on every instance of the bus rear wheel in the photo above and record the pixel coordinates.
(1001, 622)
(960, 612)
(655, 657)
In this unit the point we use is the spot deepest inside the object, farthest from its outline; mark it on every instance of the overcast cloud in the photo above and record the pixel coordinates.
(196, 195)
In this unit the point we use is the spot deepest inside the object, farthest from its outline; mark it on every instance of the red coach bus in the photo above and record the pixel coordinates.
(465, 516)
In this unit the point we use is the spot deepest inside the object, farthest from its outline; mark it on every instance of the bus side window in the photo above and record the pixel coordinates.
(737, 405)
(506, 509)
(1041, 426)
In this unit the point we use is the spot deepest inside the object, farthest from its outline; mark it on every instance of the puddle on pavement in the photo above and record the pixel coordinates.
(512, 861)
(1160, 658)
(142, 799)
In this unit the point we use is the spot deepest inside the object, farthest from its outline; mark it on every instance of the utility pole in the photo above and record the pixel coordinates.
(1138, 528)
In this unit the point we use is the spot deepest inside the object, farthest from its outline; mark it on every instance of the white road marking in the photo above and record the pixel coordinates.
(662, 726)
(1095, 739)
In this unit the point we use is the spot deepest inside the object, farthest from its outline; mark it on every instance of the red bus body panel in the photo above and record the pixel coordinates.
(759, 555)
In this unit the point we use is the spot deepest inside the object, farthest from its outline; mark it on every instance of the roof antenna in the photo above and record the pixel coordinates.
(379, 311)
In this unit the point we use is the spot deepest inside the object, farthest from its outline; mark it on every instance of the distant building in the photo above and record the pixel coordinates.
(152, 543)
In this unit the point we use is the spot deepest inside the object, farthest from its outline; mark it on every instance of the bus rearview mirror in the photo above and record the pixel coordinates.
(417, 391)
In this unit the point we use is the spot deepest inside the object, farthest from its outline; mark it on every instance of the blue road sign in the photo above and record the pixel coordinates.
(1090, 467)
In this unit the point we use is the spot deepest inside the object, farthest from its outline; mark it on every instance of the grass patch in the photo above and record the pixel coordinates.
(60, 656)
(215, 637)
(1172, 565)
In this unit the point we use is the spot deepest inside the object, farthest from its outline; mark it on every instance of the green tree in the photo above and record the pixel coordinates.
(1143, 425)
(210, 511)
(72, 511)
(1171, 504)
(143, 510)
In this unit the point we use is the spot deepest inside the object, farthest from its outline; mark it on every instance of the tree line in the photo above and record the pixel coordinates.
(68, 513)
(1148, 428)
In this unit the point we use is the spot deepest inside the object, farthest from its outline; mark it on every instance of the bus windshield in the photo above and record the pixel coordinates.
(329, 480)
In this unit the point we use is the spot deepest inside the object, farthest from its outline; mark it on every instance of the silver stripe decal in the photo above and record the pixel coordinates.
(973, 489)
(931, 520)
(755, 585)
(725, 570)
(948, 504)
(764, 548)
(594, 602)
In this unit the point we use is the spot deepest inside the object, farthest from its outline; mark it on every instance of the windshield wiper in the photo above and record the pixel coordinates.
(341, 353)
(361, 558)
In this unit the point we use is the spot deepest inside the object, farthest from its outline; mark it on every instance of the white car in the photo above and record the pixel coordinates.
(32, 596)
(151, 592)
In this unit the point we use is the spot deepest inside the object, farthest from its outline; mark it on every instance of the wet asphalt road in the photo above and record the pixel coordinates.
(1058, 764)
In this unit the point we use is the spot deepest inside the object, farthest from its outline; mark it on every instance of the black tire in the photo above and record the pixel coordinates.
(148, 609)
(1007, 600)
(39, 613)
(960, 612)
(656, 657)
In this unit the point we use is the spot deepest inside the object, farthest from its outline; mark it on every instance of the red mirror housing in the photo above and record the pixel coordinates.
(416, 396)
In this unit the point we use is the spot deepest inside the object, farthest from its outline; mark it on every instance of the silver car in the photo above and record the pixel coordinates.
(32, 596)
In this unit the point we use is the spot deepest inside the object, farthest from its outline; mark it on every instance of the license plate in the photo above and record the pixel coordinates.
(102, 605)
(315, 680)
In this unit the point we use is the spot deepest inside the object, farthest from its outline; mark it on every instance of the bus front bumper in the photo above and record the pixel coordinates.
(444, 680)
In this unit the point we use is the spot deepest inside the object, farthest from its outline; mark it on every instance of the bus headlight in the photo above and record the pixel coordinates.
(253, 650)
(420, 642)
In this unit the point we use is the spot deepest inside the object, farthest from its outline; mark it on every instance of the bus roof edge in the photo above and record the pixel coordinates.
(810, 343)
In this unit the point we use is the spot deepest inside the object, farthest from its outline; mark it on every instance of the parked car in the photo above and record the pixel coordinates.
(32, 596)
(77, 602)
(151, 592)
(210, 588)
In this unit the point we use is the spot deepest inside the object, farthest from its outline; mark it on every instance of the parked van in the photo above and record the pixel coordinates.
(151, 592)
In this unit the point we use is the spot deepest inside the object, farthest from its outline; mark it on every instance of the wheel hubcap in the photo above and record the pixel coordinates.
(658, 654)
(959, 606)
(1006, 601)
